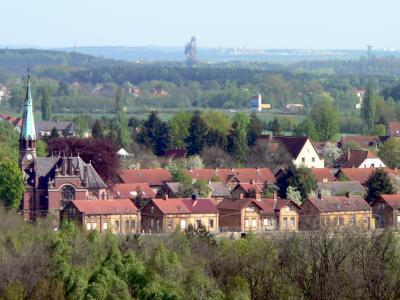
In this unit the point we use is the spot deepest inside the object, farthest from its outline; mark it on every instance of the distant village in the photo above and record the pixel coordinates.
(237, 200)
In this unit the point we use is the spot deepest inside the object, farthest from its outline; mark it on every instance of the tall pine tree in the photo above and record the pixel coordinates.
(46, 104)
(254, 130)
(197, 134)
(237, 142)
(122, 131)
(369, 105)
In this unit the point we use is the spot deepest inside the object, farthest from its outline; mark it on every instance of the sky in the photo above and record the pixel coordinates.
(267, 24)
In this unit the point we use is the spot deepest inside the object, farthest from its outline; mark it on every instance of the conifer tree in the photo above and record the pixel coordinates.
(237, 142)
(197, 134)
(378, 183)
(254, 130)
(368, 106)
(46, 104)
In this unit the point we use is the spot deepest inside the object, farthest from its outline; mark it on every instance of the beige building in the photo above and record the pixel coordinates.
(266, 214)
(334, 212)
(119, 216)
(165, 215)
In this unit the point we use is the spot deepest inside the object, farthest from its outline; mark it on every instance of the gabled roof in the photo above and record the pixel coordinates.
(154, 177)
(47, 126)
(340, 187)
(105, 207)
(293, 144)
(185, 206)
(392, 200)
(360, 175)
(354, 158)
(394, 128)
(247, 187)
(323, 174)
(267, 206)
(134, 190)
(218, 189)
(340, 203)
(243, 175)
(45, 168)
(365, 141)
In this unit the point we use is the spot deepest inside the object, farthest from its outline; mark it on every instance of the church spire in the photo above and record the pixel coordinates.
(28, 126)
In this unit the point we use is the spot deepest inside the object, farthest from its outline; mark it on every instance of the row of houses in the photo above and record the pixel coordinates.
(165, 215)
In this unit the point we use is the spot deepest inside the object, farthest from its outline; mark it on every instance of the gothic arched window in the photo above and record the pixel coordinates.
(67, 195)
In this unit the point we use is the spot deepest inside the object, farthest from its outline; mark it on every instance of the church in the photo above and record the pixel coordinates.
(52, 182)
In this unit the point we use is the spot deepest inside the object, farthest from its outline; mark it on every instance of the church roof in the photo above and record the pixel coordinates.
(45, 168)
(28, 126)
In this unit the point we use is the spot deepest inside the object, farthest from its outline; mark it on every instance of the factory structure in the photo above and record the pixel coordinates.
(257, 105)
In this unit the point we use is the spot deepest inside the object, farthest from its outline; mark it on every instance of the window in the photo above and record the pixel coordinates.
(246, 223)
(183, 224)
(339, 221)
(253, 223)
(326, 221)
(94, 225)
(398, 219)
(152, 210)
(126, 225)
(169, 223)
(251, 208)
(303, 159)
(116, 225)
(133, 224)
(365, 220)
(372, 165)
(105, 226)
(88, 225)
(285, 222)
(292, 221)
(67, 194)
(313, 159)
(265, 222)
(352, 220)
(198, 223)
(211, 223)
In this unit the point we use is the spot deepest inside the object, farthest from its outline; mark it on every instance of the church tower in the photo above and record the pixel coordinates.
(27, 139)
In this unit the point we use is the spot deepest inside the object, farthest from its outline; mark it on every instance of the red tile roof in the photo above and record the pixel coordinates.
(185, 206)
(394, 128)
(247, 187)
(362, 174)
(354, 158)
(340, 203)
(133, 190)
(365, 141)
(323, 174)
(154, 177)
(267, 205)
(392, 200)
(15, 121)
(105, 207)
(244, 175)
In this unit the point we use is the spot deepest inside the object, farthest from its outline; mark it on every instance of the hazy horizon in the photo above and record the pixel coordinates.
(257, 24)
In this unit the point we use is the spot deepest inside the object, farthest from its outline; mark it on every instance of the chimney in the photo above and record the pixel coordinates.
(63, 165)
(165, 196)
(258, 196)
(347, 194)
(348, 154)
(194, 196)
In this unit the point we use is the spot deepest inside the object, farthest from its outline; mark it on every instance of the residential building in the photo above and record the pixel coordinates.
(247, 190)
(394, 129)
(365, 142)
(64, 128)
(299, 148)
(218, 190)
(52, 182)
(341, 188)
(165, 215)
(335, 212)
(386, 211)
(117, 216)
(258, 214)
(359, 159)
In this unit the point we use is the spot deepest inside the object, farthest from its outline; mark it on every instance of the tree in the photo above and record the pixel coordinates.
(264, 154)
(237, 142)
(326, 120)
(379, 129)
(276, 127)
(54, 133)
(201, 188)
(155, 134)
(215, 157)
(369, 105)
(306, 128)
(378, 183)
(302, 179)
(352, 145)
(331, 153)
(179, 125)
(254, 130)
(101, 153)
(122, 131)
(46, 104)
(390, 153)
(11, 184)
(97, 130)
(197, 134)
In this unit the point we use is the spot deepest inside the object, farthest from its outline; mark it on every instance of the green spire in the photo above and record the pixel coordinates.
(28, 126)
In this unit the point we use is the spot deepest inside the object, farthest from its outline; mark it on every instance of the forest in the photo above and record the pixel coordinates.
(39, 263)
